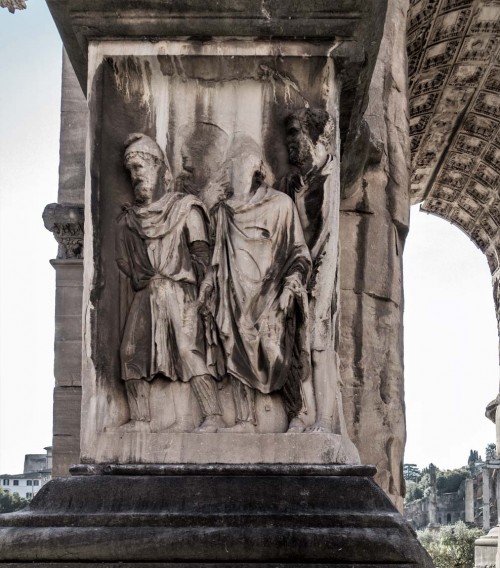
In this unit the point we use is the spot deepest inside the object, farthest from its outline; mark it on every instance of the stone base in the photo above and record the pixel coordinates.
(211, 516)
(485, 550)
(222, 448)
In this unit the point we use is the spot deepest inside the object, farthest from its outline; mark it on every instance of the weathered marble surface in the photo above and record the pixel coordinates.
(374, 420)
(222, 448)
(246, 90)
(81, 21)
(66, 224)
(69, 274)
(288, 517)
(374, 224)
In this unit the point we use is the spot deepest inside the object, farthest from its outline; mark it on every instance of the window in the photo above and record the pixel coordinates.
(5, 482)
(16, 482)
(29, 495)
(448, 518)
(29, 482)
(36, 482)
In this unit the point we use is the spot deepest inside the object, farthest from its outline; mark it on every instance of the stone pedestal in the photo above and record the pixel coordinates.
(485, 549)
(224, 138)
(245, 516)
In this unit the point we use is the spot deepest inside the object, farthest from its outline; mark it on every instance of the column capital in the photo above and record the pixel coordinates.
(65, 222)
(13, 5)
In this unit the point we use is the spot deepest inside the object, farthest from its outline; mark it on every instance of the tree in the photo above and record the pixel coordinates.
(413, 492)
(411, 472)
(491, 452)
(451, 546)
(473, 458)
(10, 502)
(449, 481)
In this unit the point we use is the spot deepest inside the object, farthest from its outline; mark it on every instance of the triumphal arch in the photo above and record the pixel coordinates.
(235, 185)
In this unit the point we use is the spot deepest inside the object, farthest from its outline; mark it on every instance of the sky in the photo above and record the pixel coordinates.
(451, 342)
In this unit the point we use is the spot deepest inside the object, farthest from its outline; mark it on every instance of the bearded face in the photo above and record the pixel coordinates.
(300, 149)
(143, 170)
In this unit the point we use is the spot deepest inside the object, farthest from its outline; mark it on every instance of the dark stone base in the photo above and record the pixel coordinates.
(211, 516)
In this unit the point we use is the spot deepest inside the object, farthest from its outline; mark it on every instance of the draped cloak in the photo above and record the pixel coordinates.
(163, 333)
(314, 195)
(258, 244)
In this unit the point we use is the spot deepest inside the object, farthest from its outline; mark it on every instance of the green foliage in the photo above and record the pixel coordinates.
(451, 546)
(10, 502)
(474, 458)
(449, 481)
(491, 452)
(418, 489)
(413, 492)
(411, 472)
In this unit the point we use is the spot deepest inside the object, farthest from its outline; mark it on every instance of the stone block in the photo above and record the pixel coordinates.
(69, 301)
(68, 328)
(66, 435)
(366, 266)
(214, 516)
(69, 273)
(62, 461)
(74, 115)
(67, 406)
(68, 445)
(79, 22)
(68, 362)
(372, 372)
(226, 448)
(485, 549)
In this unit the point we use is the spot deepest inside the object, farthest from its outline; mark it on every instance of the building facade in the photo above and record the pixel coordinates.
(37, 472)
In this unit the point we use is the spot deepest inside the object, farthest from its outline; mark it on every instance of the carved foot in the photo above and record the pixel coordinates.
(180, 426)
(321, 426)
(131, 426)
(211, 424)
(296, 426)
(240, 428)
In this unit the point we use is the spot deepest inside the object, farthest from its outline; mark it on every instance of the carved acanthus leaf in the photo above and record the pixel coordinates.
(13, 5)
(65, 222)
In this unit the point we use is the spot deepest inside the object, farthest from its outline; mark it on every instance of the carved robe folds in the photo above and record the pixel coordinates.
(259, 244)
(163, 332)
(267, 330)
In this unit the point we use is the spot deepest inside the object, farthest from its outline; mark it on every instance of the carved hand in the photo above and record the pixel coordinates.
(293, 286)
(204, 296)
(286, 299)
(215, 191)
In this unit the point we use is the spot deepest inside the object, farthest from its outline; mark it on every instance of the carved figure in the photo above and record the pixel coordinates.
(261, 265)
(203, 153)
(309, 135)
(162, 247)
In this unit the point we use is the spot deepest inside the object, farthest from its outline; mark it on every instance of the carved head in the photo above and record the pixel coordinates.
(245, 164)
(144, 160)
(309, 135)
(202, 153)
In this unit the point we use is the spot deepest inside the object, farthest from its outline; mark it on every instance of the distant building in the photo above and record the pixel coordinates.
(476, 502)
(37, 471)
(450, 509)
(38, 462)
